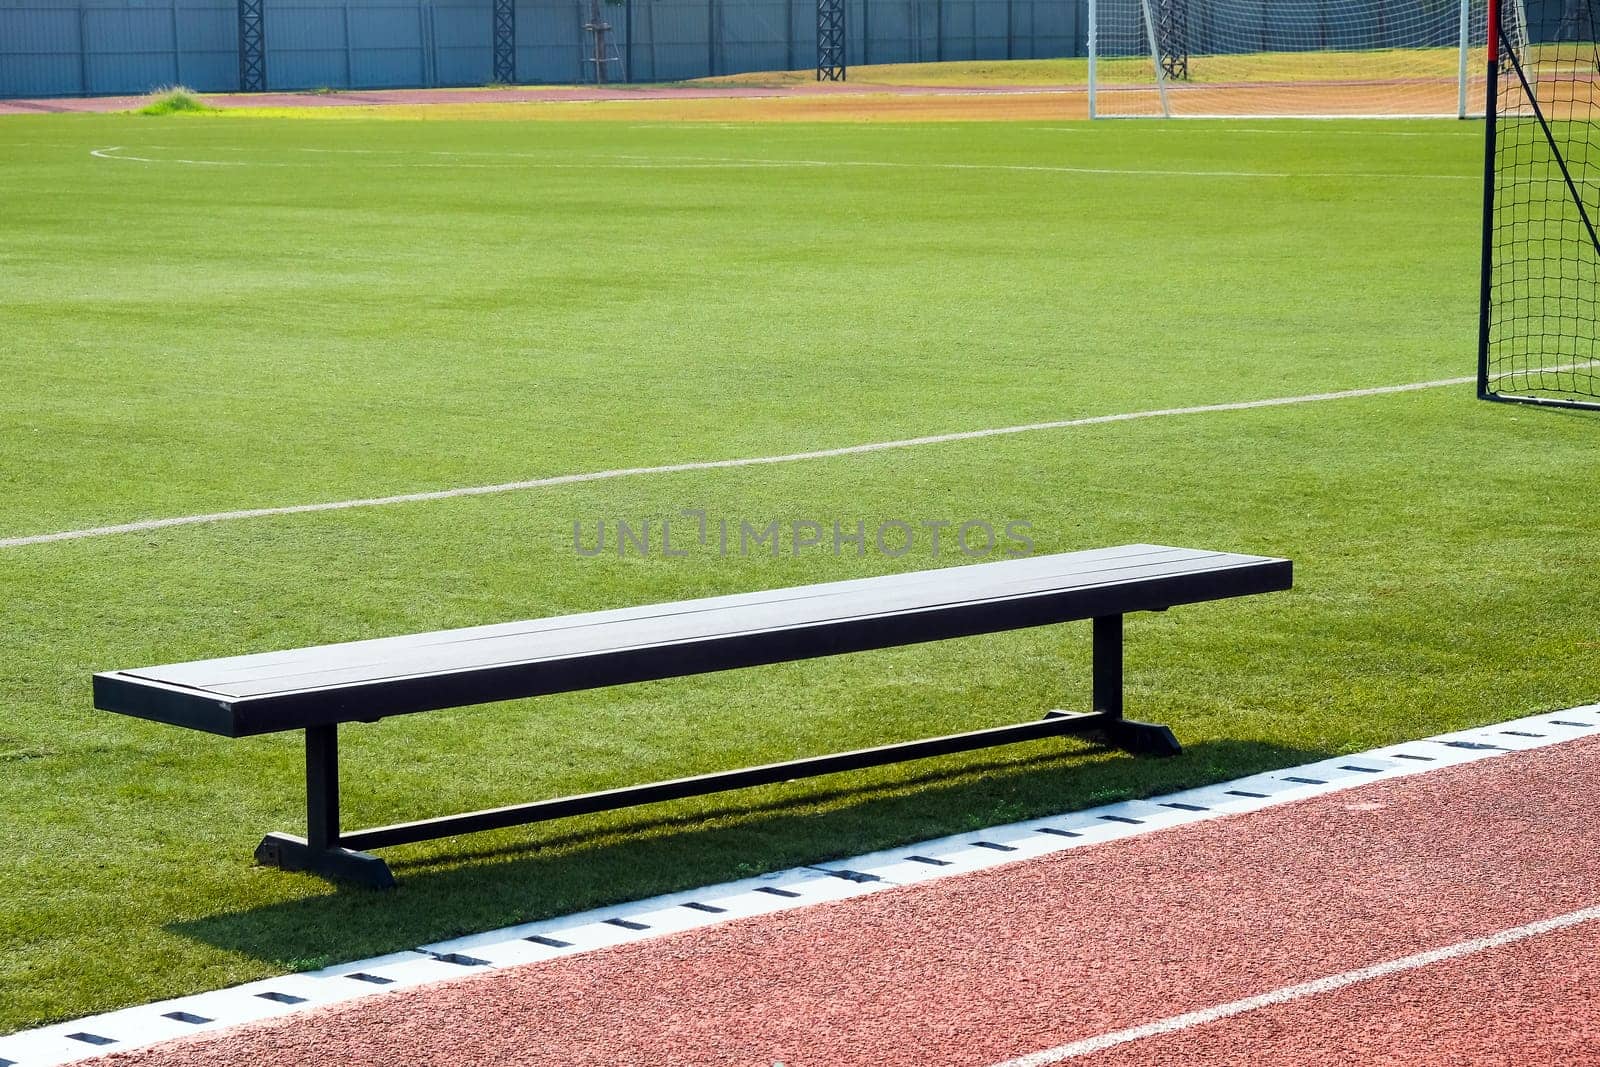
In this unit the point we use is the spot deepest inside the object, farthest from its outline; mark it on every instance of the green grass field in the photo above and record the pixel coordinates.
(309, 312)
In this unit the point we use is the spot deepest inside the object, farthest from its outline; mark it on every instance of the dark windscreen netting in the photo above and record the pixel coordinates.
(1541, 298)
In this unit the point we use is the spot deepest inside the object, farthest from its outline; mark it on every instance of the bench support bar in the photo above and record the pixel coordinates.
(327, 851)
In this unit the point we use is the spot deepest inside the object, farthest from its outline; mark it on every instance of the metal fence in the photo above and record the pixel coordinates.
(83, 47)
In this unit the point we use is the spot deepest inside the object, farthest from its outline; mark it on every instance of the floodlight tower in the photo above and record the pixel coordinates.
(252, 47)
(1172, 37)
(830, 40)
(505, 42)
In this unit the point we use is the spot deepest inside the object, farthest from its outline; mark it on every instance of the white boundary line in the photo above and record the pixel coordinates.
(119, 153)
(1045, 168)
(146, 525)
(527, 161)
(1313, 988)
(823, 882)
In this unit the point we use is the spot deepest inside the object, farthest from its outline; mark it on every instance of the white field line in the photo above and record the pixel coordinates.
(1317, 987)
(106, 153)
(146, 525)
(708, 163)
(1043, 168)
(117, 152)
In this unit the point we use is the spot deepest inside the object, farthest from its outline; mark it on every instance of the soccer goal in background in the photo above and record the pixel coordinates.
(1286, 58)
(1537, 333)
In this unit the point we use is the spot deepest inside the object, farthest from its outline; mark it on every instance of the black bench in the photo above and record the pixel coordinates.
(316, 689)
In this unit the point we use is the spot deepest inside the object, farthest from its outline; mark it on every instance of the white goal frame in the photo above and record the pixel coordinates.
(1171, 99)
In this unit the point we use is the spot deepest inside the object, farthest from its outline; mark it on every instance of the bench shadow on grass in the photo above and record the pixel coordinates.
(452, 888)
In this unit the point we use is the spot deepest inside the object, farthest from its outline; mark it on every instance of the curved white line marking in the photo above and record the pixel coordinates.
(708, 465)
(107, 153)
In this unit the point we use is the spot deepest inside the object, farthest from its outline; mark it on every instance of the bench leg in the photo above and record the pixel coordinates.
(319, 852)
(1143, 738)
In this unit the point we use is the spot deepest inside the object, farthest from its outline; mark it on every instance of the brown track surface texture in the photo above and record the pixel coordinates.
(983, 967)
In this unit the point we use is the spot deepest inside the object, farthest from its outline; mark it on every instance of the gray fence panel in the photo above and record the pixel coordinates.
(128, 46)
(70, 47)
(890, 31)
(307, 47)
(1058, 30)
(991, 28)
(955, 30)
(549, 42)
(208, 45)
(752, 35)
(682, 46)
(802, 36)
(41, 51)
(462, 50)
(388, 45)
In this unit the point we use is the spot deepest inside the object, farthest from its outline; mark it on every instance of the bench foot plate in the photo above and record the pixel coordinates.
(289, 853)
(1143, 738)
(1130, 735)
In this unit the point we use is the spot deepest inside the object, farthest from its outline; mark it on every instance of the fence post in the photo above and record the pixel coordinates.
(177, 47)
(83, 50)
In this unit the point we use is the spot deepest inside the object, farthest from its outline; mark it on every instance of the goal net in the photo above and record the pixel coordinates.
(1541, 257)
(1272, 58)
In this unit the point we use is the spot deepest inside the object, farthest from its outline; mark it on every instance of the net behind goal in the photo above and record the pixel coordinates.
(1541, 257)
(1269, 58)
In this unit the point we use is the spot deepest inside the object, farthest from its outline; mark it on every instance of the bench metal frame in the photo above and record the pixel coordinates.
(316, 689)
(328, 850)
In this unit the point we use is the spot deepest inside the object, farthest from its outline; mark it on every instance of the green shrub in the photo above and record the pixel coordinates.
(174, 100)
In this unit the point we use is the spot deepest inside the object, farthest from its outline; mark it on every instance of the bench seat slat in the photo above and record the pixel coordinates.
(952, 583)
(634, 628)
(368, 679)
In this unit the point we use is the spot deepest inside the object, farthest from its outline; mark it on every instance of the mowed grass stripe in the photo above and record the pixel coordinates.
(147, 525)
(217, 329)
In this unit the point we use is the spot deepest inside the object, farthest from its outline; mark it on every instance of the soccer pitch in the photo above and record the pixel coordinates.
(216, 314)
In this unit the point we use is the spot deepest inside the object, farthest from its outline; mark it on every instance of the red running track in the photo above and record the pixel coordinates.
(1036, 955)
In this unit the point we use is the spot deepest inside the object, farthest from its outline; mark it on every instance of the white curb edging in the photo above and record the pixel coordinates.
(799, 887)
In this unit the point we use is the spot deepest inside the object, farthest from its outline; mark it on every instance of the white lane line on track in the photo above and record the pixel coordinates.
(147, 525)
(1316, 987)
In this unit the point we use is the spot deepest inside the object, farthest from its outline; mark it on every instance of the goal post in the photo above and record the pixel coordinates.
(1286, 58)
(1538, 340)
